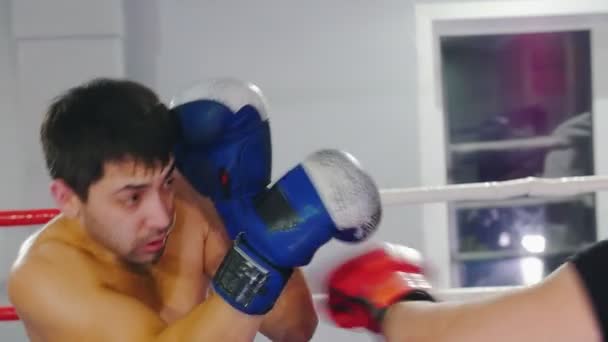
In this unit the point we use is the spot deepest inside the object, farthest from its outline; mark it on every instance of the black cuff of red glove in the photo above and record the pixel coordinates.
(416, 295)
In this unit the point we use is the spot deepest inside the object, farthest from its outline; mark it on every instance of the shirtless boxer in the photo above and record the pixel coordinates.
(136, 248)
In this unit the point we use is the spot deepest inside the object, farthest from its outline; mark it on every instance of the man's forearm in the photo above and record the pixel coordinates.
(555, 310)
(293, 318)
(212, 320)
(411, 321)
(503, 319)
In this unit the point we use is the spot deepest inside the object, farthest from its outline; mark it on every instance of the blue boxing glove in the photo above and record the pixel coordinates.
(225, 148)
(328, 195)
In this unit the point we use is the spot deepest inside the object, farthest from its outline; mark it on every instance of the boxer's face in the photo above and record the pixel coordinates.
(130, 210)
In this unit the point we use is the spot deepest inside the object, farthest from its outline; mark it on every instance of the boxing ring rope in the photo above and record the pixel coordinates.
(21, 218)
(547, 142)
(500, 190)
(13, 218)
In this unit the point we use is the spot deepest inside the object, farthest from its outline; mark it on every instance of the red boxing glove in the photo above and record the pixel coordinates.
(361, 289)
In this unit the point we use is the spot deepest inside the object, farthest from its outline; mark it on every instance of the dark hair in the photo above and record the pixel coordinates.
(101, 121)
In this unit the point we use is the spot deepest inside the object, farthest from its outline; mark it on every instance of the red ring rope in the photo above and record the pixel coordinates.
(11, 219)
(8, 313)
(26, 217)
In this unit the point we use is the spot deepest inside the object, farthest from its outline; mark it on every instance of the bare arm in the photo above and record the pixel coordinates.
(60, 303)
(555, 310)
(293, 317)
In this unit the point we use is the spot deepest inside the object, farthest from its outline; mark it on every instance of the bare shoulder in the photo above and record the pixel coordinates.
(561, 298)
(563, 284)
(47, 274)
(42, 258)
(566, 284)
(53, 242)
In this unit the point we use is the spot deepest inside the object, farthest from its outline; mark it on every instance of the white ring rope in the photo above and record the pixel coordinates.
(456, 294)
(522, 187)
(547, 142)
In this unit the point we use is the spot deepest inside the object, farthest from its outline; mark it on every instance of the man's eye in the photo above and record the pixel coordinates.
(169, 182)
(132, 199)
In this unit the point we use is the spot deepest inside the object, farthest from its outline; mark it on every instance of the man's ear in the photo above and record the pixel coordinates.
(66, 199)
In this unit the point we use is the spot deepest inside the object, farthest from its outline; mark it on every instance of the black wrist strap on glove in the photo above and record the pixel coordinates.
(248, 281)
(416, 295)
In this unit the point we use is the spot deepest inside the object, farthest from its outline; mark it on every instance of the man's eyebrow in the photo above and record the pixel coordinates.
(132, 187)
(135, 187)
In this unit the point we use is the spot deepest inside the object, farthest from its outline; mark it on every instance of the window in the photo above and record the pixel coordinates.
(517, 105)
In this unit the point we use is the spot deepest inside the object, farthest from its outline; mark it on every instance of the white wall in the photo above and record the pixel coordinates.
(11, 170)
(9, 173)
(45, 47)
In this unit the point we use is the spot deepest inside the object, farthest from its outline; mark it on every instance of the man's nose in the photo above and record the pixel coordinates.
(160, 213)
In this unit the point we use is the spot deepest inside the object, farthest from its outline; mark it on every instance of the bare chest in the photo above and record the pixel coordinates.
(172, 287)
(168, 293)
